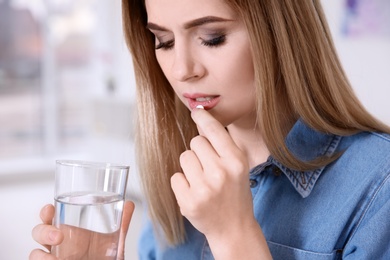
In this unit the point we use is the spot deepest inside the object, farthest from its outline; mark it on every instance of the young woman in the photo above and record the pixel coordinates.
(282, 162)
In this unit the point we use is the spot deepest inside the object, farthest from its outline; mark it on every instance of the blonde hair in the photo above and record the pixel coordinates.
(295, 64)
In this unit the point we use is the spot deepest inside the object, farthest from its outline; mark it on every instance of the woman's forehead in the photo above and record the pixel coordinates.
(180, 10)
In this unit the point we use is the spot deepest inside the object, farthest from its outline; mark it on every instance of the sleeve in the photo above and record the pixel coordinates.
(147, 242)
(371, 239)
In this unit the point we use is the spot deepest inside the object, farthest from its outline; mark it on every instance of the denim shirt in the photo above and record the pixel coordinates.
(340, 211)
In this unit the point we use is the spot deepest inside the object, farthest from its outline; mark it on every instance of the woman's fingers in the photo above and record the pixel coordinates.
(47, 235)
(38, 254)
(128, 210)
(180, 186)
(47, 214)
(191, 167)
(214, 132)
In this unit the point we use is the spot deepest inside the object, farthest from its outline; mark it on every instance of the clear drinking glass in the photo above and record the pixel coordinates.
(89, 198)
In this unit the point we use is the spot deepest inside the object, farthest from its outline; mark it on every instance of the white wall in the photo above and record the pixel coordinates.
(366, 61)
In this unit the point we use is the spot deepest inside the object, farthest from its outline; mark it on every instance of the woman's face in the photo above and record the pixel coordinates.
(204, 51)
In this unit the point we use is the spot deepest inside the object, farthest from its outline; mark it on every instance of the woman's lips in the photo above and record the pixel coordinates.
(208, 102)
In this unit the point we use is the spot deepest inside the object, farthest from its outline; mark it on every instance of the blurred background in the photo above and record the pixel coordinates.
(67, 92)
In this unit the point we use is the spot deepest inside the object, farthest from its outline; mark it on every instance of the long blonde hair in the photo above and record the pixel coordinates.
(295, 64)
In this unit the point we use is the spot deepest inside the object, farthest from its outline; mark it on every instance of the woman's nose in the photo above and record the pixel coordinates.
(185, 65)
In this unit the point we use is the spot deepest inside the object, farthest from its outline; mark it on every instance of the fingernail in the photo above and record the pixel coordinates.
(53, 235)
(200, 107)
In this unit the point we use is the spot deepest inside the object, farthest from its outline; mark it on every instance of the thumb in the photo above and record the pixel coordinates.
(128, 210)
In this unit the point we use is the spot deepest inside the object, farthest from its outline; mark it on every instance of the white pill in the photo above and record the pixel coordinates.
(200, 106)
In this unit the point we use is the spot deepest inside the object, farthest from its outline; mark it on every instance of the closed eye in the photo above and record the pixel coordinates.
(165, 45)
(214, 42)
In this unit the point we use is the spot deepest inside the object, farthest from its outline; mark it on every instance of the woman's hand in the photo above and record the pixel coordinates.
(213, 192)
(48, 235)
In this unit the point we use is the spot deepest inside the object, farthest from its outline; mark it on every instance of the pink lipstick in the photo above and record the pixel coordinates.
(205, 100)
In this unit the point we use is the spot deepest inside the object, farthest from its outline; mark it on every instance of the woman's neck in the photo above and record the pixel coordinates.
(250, 141)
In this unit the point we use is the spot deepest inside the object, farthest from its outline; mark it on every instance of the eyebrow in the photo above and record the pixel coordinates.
(190, 24)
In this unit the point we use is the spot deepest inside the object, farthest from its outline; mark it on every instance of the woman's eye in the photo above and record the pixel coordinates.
(165, 45)
(214, 41)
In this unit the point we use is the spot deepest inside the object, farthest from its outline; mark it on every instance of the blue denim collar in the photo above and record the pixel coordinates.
(306, 144)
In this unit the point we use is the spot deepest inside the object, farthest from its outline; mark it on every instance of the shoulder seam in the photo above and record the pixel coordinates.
(382, 136)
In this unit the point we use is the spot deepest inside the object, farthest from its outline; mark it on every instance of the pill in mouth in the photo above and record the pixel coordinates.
(200, 107)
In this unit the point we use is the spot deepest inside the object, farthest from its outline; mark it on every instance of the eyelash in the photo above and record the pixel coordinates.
(219, 40)
(215, 42)
(165, 45)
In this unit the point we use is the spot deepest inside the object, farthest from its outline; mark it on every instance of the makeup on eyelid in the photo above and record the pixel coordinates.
(215, 41)
(210, 35)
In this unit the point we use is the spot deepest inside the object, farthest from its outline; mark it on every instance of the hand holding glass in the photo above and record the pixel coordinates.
(89, 200)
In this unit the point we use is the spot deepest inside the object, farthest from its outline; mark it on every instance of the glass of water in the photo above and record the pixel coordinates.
(89, 198)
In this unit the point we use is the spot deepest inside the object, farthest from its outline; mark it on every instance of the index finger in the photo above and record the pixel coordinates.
(214, 131)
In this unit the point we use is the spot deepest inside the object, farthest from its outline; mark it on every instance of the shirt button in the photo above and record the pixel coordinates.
(252, 183)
